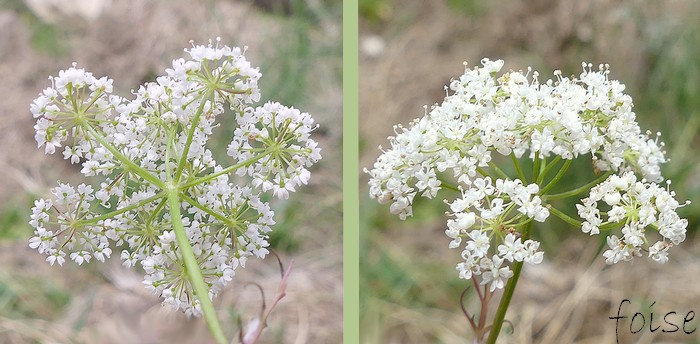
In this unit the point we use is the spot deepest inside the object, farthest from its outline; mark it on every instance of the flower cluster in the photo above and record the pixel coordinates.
(511, 114)
(150, 146)
(639, 206)
(498, 209)
(492, 269)
(83, 245)
(285, 132)
(73, 90)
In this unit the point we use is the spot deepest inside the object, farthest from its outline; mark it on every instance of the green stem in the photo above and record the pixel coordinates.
(507, 295)
(556, 178)
(447, 185)
(578, 190)
(192, 268)
(483, 172)
(194, 274)
(568, 219)
(612, 225)
(190, 135)
(224, 171)
(536, 167)
(125, 209)
(205, 209)
(133, 167)
(498, 170)
(521, 175)
(547, 168)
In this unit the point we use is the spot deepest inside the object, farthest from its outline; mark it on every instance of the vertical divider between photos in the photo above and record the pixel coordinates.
(351, 269)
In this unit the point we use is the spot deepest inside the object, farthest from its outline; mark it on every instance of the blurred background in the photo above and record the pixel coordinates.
(298, 47)
(409, 49)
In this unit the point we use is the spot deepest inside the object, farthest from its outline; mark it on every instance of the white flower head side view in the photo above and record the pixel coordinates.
(165, 202)
(487, 113)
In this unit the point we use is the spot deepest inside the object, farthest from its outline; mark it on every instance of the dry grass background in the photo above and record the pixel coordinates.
(410, 49)
(132, 42)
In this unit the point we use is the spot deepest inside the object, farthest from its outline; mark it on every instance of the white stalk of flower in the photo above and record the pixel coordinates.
(165, 203)
(489, 113)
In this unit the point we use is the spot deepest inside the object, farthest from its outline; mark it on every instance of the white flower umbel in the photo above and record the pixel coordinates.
(485, 114)
(152, 151)
(639, 207)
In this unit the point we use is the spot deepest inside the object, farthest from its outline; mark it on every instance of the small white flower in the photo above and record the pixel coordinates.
(479, 243)
(659, 252)
(495, 274)
(510, 248)
(531, 254)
